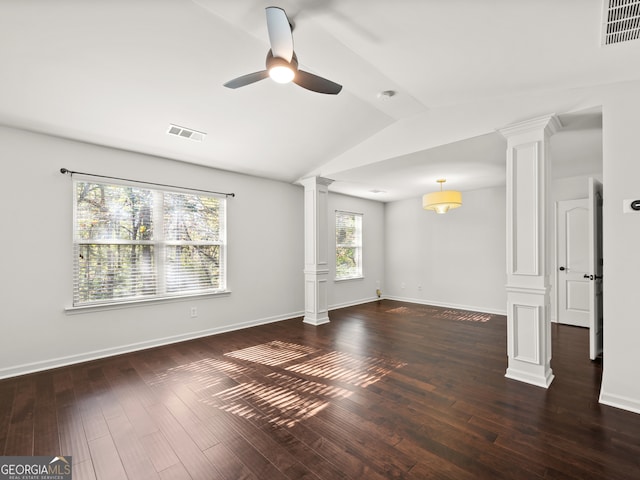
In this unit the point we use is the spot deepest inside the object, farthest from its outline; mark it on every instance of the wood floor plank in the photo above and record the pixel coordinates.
(228, 464)
(132, 453)
(269, 448)
(7, 396)
(191, 457)
(20, 432)
(128, 388)
(199, 432)
(385, 390)
(83, 470)
(175, 472)
(72, 437)
(322, 467)
(159, 451)
(105, 458)
(46, 439)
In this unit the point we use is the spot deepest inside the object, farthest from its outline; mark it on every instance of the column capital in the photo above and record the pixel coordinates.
(549, 124)
(309, 182)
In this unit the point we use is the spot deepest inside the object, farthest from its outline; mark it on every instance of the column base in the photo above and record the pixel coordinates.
(316, 321)
(542, 380)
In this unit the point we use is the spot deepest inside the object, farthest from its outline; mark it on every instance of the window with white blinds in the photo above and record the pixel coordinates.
(133, 243)
(348, 245)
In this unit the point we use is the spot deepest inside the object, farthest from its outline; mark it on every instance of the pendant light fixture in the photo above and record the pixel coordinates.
(442, 201)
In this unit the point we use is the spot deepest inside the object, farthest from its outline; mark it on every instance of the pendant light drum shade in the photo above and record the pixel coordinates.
(442, 201)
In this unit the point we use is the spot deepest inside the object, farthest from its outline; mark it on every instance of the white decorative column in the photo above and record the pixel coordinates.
(529, 250)
(316, 249)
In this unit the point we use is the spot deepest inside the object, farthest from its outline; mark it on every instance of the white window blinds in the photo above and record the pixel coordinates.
(134, 243)
(348, 245)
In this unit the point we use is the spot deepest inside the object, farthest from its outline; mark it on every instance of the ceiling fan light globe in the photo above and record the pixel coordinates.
(281, 74)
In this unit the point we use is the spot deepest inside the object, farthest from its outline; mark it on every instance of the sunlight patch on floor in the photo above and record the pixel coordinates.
(440, 313)
(272, 353)
(201, 374)
(343, 367)
(284, 401)
(285, 394)
(464, 316)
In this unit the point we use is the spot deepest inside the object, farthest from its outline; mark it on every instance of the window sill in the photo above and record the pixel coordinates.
(98, 307)
(361, 277)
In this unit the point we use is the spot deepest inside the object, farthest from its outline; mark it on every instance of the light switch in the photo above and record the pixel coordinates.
(631, 206)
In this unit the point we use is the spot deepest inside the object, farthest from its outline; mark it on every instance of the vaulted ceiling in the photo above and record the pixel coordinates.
(119, 72)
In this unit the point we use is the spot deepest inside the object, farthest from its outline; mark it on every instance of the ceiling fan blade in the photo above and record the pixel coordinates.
(315, 83)
(247, 79)
(280, 35)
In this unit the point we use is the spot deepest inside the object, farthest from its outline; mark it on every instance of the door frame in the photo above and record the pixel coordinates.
(595, 345)
(596, 326)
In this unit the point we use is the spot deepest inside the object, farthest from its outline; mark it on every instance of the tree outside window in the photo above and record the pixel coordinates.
(348, 245)
(135, 243)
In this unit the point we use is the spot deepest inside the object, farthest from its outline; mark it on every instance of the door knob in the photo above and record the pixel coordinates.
(562, 269)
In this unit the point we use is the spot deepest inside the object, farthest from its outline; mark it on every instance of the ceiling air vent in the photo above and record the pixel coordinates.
(621, 21)
(186, 133)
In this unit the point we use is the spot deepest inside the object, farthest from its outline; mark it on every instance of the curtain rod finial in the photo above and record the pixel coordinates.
(64, 170)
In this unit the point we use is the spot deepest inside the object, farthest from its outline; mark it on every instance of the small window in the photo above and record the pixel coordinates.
(133, 243)
(348, 245)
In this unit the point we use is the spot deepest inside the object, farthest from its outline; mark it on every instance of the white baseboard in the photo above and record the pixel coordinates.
(618, 401)
(351, 304)
(34, 367)
(471, 308)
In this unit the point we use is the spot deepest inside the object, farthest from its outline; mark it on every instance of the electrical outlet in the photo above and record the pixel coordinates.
(419, 287)
(194, 312)
(402, 285)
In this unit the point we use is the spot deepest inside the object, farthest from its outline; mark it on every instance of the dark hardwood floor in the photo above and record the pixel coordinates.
(386, 390)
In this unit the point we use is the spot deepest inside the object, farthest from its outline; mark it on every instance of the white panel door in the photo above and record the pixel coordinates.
(573, 262)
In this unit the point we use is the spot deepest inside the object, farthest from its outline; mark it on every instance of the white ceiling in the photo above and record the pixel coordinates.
(118, 72)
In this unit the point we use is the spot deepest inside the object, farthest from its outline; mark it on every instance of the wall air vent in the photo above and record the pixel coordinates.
(621, 21)
(186, 133)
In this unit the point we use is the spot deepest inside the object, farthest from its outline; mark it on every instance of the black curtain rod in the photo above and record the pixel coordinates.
(71, 172)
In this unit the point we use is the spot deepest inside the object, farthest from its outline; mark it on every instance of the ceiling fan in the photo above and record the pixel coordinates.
(282, 63)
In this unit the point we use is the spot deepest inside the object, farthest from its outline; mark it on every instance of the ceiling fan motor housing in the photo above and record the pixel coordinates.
(281, 62)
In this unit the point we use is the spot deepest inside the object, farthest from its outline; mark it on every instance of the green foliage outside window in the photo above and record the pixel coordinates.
(134, 243)
(348, 245)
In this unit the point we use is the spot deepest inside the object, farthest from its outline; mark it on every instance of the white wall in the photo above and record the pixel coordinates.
(265, 256)
(457, 259)
(359, 290)
(621, 239)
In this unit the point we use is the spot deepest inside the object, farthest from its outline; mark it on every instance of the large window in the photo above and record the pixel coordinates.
(133, 243)
(348, 245)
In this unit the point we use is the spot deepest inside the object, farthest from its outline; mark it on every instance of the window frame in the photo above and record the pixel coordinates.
(159, 244)
(358, 246)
